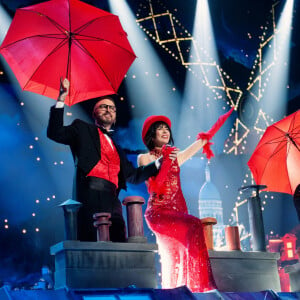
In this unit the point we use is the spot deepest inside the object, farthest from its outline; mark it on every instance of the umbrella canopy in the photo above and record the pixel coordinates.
(275, 161)
(67, 38)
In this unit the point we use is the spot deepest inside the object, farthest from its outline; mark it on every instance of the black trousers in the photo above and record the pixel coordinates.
(98, 195)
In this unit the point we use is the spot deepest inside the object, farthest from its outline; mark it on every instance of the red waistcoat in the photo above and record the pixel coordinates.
(108, 167)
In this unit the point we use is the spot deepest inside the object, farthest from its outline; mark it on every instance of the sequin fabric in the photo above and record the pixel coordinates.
(180, 237)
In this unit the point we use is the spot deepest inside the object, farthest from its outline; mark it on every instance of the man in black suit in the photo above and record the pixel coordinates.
(102, 168)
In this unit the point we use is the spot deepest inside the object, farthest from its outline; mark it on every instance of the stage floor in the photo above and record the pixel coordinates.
(132, 293)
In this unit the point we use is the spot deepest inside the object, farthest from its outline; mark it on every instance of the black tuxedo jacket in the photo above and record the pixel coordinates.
(84, 141)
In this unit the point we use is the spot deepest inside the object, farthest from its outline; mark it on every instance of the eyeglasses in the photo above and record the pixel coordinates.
(108, 107)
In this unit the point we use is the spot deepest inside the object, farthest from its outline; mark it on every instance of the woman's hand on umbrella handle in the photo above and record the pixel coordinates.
(64, 89)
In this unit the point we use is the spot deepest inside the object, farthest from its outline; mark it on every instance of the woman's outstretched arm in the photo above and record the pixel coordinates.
(190, 151)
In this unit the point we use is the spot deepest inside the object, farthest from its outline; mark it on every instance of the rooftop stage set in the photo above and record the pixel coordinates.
(106, 270)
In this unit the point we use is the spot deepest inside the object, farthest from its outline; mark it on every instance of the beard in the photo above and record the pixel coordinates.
(106, 119)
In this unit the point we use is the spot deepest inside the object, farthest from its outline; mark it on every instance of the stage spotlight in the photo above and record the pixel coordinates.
(5, 22)
(30, 154)
(204, 87)
(270, 85)
(204, 101)
(276, 89)
(149, 87)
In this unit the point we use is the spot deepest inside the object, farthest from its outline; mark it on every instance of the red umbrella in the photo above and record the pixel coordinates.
(67, 38)
(275, 161)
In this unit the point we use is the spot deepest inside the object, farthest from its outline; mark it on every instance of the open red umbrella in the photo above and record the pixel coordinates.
(67, 38)
(275, 161)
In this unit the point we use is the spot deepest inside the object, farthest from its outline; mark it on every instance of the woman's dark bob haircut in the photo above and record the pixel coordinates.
(151, 134)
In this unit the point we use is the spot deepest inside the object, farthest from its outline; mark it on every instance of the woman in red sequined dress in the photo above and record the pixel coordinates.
(179, 235)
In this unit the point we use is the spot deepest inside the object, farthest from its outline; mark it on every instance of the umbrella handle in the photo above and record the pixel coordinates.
(256, 187)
